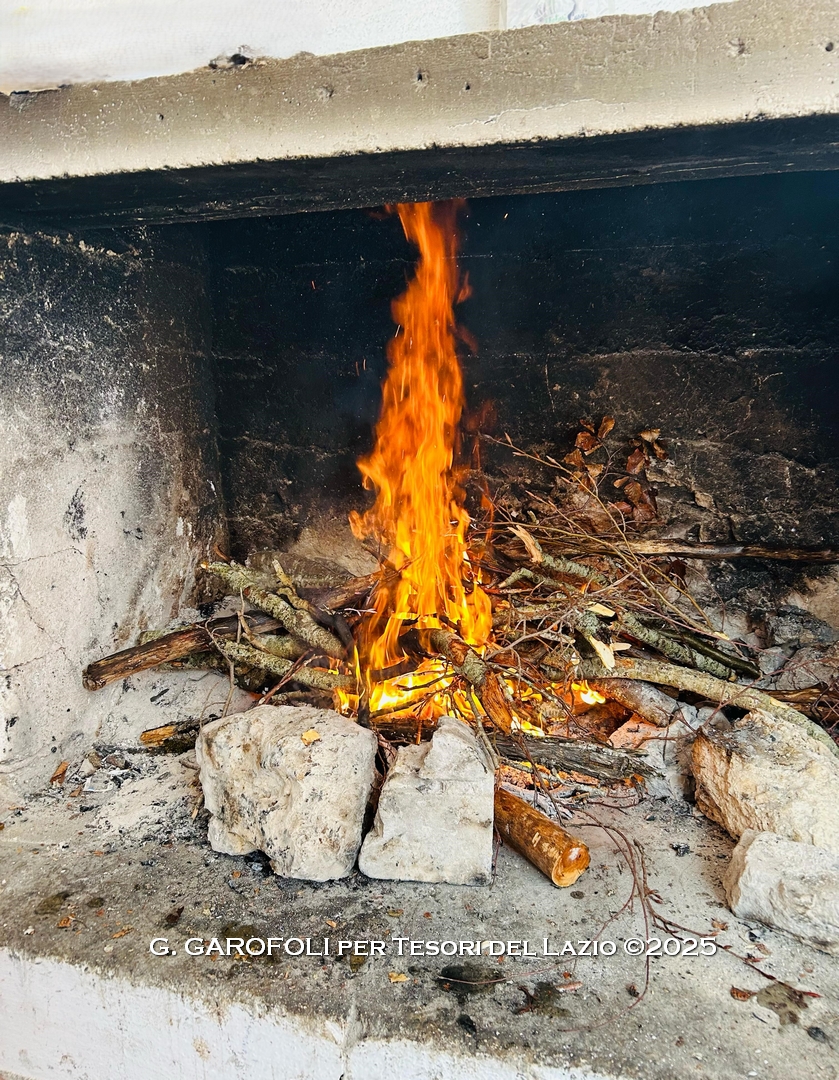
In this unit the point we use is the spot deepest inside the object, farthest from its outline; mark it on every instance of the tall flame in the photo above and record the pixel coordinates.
(418, 516)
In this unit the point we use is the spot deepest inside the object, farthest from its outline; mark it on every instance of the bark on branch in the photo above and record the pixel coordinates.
(560, 856)
(698, 682)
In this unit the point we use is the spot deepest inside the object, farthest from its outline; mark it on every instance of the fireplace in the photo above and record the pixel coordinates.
(194, 359)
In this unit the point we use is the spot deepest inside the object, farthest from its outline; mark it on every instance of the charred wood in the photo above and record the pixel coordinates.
(176, 645)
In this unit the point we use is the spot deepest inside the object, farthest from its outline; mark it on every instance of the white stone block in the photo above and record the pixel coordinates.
(434, 821)
(788, 885)
(299, 799)
(768, 775)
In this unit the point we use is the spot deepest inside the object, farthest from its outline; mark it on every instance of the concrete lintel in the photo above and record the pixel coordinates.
(311, 132)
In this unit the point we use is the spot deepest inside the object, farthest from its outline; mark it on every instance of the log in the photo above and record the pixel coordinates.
(601, 762)
(604, 763)
(650, 703)
(697, 682)
(169, 647)
(684, 549)
(560, 856)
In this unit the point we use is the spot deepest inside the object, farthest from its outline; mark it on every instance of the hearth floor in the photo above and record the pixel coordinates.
(82, 997)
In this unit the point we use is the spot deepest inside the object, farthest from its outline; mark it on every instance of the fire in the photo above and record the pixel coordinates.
(586, 694)
(418, 517)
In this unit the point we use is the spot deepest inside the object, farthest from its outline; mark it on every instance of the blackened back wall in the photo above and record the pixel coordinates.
(707, 309)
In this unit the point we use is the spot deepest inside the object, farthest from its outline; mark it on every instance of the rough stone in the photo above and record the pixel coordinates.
(292, 782)
(666, 750)
(788, 885)
(768, 775)
(793, 627)
(809, 667)
(434, 821)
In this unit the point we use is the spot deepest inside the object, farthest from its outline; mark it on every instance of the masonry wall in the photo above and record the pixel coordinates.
(109, 491)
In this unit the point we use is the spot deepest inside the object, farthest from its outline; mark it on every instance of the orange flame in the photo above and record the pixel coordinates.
(418, 516)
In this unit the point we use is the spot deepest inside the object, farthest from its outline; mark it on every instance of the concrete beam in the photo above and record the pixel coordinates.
(624, 99)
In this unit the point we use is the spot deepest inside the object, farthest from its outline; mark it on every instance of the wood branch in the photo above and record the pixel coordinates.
(349, 594)
(169, 647)
(631, 626)
(486, 684)
(560, 856)
(597, 760)
(171, 738)
(240, 653)
(698, 682)
(684, 549)
(296, 620)
(604, 763)
(650, 703)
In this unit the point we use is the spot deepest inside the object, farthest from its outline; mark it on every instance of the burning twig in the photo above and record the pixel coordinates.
(486, 683)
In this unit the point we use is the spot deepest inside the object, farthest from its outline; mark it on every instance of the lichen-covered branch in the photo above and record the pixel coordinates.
(241, 653)
(296, 620)
(697, 682)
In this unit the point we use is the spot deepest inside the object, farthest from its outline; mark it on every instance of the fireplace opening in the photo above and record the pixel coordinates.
(638, 635)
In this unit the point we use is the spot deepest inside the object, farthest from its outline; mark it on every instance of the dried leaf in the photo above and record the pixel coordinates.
(121, 933)
(586, 442)
(604, 651)
(643, 503)
(650, 434)
(659, 451)
(574, 458)
(310, 736)
(332, 923)
(718, 924)
(397, 977)
(636, 461)
(594, 469)
(587, 425)
(741, 995)
(606, 425)
(357, 962)
(59, 774)
(621, 480)
(65, 922)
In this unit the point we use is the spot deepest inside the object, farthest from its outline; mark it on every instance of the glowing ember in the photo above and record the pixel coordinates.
(586, 694)
(418, 516)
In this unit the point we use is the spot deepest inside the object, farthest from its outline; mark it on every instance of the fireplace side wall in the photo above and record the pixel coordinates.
(109, 492)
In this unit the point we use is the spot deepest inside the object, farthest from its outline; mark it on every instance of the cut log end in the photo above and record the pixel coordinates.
(560, 856)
